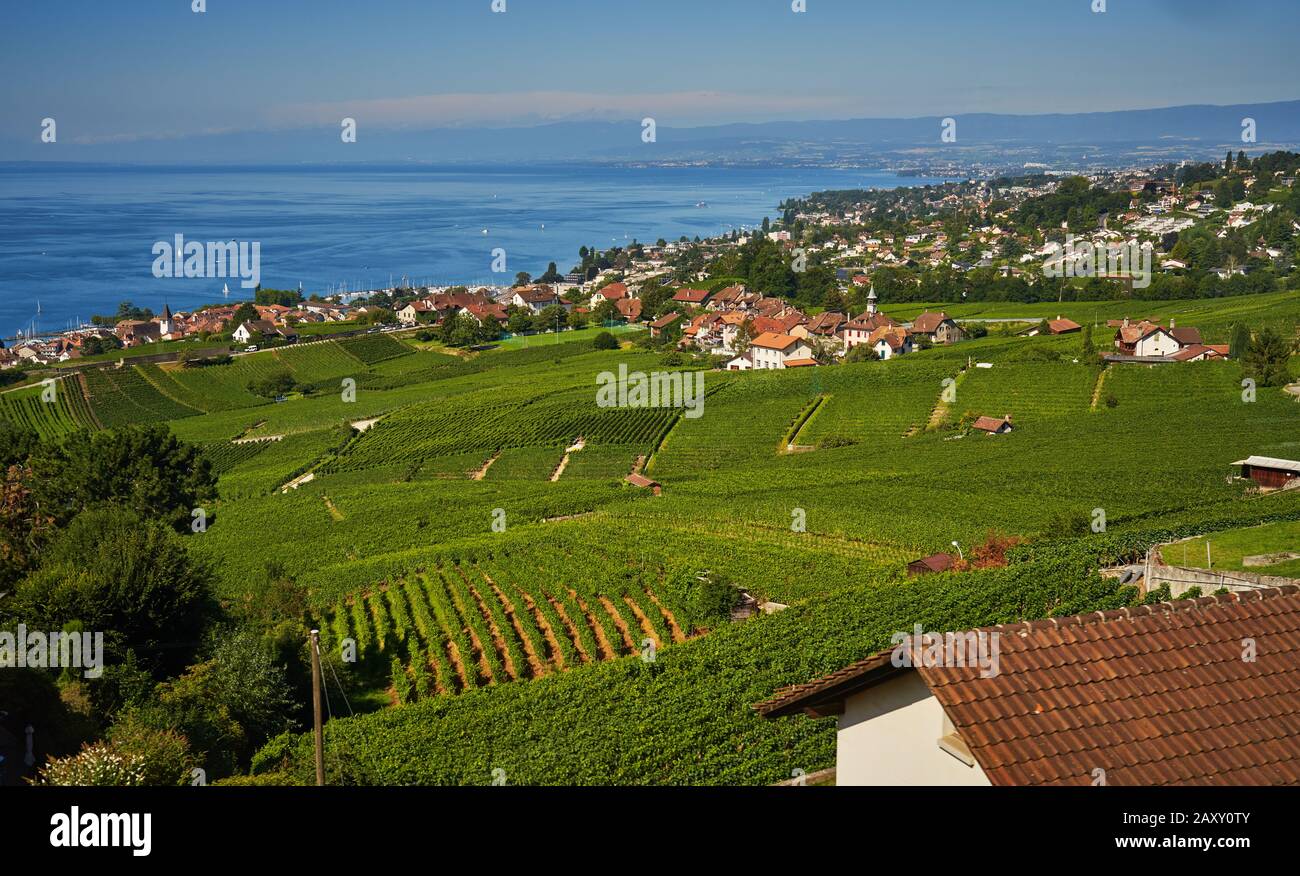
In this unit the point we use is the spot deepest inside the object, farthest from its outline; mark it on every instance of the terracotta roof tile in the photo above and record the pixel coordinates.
(1154, 695)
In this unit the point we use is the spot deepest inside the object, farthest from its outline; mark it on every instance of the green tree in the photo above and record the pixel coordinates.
(142, 468)
(117, 573)
(245, 312)
(1239, 345)
(1266, 359)
(604, 341)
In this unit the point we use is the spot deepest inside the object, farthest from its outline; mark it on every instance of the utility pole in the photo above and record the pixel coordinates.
(315, 707)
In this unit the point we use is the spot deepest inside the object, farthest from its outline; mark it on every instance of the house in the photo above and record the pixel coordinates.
(1082, 700)
(1270, 472)
(692, 297)
(663, 323)
(827, 324)
(1201, 352)
(629, 308)
(535, 298)
(613, 292)
(992, 425)
(254, 328)
(481, 313)
(1145, 339)
(1063, 326)
(638, 480)
(937, 328)
(743, 362)
(890, 341)
(860, 329)
(930, 565)
(134, 332)
(728, 298)
(771, 350)
(417, 312)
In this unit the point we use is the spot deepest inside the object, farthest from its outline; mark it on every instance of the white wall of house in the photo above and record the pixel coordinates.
(1157, 344)
(889, 735)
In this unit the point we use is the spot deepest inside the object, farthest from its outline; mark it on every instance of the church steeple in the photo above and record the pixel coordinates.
(871, 301)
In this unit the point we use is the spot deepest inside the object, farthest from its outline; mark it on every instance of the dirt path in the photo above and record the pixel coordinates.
(673, 627)
(548, 632)
(536, 662)
(482, 472)
(638, 464)
(644, 622)
(597, 630)
(484, 670)
(333, 509)
(570, 629)
(1101, 381)
(559, 469)
(498, 640)
(623, 630)
(941, 407)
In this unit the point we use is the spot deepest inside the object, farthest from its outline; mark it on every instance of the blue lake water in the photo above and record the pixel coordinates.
(80, 239)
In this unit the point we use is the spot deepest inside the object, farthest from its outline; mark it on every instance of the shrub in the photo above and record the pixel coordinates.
(605, 341)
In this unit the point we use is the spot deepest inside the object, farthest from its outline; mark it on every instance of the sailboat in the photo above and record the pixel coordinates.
(225, 290)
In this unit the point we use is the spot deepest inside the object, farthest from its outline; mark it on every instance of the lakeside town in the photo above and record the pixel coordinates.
(807, 289)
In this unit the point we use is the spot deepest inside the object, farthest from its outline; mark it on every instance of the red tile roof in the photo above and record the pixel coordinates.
(927, 323)
(773, 341)
(1153, 695)
(991, 424)
(692, 296)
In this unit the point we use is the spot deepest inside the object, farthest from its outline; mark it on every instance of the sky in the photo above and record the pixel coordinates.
(121, 70)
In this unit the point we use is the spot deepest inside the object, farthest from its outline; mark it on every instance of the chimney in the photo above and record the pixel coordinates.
(1126, 322)
(1171, 323)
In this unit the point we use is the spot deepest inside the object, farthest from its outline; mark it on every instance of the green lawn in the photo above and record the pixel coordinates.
(1228, 548)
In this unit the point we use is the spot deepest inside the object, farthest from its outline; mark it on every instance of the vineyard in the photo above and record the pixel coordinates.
(426, 431)
(123, 397)
(68, 412)
(500, 615)
(373, 349)
(459, 627)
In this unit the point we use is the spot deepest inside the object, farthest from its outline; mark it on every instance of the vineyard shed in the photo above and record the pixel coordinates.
(637, 480)
(993, 426)
(1268, 471)
(930, 565)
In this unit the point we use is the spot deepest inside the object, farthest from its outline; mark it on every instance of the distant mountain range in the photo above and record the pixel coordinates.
(1104, 137)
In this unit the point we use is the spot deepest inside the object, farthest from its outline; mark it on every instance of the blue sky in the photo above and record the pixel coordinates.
(152, 68)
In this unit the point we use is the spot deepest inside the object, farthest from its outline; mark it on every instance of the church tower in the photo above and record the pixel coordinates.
(871, 301)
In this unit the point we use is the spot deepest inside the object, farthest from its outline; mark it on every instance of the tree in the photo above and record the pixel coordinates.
(1239, 345)
(229, 704)
(523, 278)
(552, 275)
(552, 318)
(606, 312)
(145, 469)
(520, 321)
(129, 577)
(1089, 350)
(16, 443)
(605, 341)
(245, 312)
(577, 320)
(1266, 359)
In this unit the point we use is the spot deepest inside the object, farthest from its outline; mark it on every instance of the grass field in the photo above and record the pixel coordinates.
(479, 595)
(1228, 549)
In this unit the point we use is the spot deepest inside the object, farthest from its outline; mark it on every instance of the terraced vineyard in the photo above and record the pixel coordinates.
(437, 429)
(68, 412)
(459, 627)
(226, 455)
(373, 349)
(122, 397)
